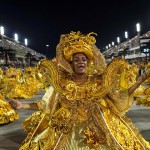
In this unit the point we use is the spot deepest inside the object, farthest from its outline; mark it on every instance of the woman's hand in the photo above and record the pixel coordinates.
(15, 104)
(139, 81)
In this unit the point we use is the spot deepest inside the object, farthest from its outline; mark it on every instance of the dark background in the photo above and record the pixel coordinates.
(43, 22)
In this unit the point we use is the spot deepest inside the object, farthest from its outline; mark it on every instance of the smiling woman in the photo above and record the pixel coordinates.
(79, 63)
(86, 103)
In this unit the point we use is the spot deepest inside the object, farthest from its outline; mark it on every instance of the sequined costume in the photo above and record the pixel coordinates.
(7, 114)
(15, 84)
(83, 116)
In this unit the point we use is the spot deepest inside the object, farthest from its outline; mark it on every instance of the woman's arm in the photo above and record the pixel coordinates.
(139, 81)
(19, 105)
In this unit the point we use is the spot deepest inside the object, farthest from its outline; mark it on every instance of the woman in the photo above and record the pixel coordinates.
(86, 103)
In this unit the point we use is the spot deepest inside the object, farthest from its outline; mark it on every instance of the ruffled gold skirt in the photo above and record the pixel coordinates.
(7, 114)
(120, 132)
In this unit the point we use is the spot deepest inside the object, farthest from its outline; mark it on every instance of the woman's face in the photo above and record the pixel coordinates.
(79, 63)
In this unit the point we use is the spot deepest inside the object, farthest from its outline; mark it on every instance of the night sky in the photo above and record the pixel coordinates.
(42, 22)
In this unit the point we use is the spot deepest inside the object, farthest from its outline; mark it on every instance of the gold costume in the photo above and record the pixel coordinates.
(7, 114)
(83, 116)
(14, 84)
(142, 94)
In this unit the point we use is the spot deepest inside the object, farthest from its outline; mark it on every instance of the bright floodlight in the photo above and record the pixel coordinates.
(126, 34)
(113, 43)
(106, 47)
(26, 42)
(2, 30)
(118, 40)
(16, 36)
(138, 27)
(109, 45)
(47, 46)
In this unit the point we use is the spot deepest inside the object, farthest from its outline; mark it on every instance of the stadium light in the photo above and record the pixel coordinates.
(2, 30)
(16, 36)
(118, 40)
(47, 46)
(126, 34)
(26, 42)
(113, 44)
(138, 27)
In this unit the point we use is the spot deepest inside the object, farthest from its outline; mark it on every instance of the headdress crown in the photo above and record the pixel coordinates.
(77, 42)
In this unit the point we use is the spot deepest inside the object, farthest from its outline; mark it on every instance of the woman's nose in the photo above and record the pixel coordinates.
(81, 61)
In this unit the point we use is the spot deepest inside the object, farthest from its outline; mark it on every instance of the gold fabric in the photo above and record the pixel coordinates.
(76, 42)
(83, 116)
(7, 114)
(83, 124)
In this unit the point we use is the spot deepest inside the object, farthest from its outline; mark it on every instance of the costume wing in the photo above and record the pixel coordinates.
(49, 71)
(113, 72)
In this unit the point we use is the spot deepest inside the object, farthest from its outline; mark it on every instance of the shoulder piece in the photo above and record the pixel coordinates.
(49, 70)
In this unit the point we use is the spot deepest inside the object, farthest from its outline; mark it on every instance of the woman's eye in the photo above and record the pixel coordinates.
(78, 60)
(84, 59)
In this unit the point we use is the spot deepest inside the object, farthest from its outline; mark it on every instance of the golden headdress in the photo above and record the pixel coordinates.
(76, 42)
